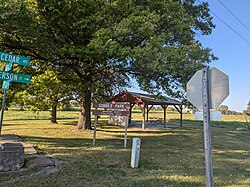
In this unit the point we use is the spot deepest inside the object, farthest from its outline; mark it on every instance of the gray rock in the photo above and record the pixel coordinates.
(41, 161)
(11, 156)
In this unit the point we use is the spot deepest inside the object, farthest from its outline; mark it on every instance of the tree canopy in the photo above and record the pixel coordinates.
(102, 44)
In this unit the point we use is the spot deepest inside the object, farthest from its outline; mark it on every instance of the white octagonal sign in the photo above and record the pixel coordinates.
(218, 88)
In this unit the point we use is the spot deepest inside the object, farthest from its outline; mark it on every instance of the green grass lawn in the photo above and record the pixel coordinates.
(169, 157)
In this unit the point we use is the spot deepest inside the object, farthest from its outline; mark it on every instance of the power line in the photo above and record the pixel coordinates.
(231, 28)
(234, 15)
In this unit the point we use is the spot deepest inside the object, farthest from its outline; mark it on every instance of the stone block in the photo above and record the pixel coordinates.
(11, 156)
(118, 120)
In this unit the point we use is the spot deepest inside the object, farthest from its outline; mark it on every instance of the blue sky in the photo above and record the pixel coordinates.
(233, 52)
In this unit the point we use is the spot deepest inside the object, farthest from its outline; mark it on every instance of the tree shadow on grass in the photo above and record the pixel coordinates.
(170, 182)
(173, 154)
(108, 162)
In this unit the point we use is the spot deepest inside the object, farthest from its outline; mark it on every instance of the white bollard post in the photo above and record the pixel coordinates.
(135, 152)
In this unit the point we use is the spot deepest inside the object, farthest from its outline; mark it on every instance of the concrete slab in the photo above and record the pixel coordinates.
(12, 138)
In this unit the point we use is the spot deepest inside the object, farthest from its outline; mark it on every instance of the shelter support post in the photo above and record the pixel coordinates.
(143, 107)
(181, 115)
(130, 112)
(148, 109)
(180, 111)
(165, 115)
(147, 113)
(164, 123)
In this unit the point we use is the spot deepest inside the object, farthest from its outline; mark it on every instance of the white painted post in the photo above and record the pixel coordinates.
(94, 139)
(135, 152)
(207, 128)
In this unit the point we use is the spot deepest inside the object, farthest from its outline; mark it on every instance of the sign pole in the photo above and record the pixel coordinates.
(207, 128)
(2, 112)
(126, 135)
(94, 139)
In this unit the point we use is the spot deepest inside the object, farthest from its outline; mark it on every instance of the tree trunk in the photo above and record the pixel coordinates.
(84, 121)
(87, 106)
(81, 120)
(53, 113)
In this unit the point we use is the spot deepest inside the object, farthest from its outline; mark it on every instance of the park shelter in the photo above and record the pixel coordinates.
(146, 103)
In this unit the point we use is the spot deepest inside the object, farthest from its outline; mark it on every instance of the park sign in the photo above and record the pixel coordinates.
(111, 109)
(117, 109)
(15, 77)
(15, 59)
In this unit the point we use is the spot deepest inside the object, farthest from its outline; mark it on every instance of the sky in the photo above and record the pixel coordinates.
(232, 49)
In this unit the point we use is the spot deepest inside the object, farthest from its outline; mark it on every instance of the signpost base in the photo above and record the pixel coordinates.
(2, 112)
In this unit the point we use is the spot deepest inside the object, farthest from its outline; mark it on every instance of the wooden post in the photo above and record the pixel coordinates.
(130, 112)
(164, 122)
(207, 128)
(143, 116)
(147, 113)
(181, 115)
(95, 123)
(126, 135)
(180, 111)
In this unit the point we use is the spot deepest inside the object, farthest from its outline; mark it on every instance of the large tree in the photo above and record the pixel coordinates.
(100, 43)
(46, 91)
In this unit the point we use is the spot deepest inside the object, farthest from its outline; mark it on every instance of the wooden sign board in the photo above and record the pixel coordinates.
(111, 112)
(116, 109)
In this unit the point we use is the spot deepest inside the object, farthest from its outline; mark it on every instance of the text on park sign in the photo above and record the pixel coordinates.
(112, 105)
(111, 112)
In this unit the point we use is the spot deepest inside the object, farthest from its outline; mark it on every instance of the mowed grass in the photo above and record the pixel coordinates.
(169, 157)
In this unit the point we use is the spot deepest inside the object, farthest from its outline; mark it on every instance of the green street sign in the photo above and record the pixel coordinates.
(8, 67)
(15, 77)
(20, 60)
(6, 85)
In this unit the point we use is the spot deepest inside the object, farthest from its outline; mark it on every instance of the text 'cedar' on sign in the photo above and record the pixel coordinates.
(16, 59)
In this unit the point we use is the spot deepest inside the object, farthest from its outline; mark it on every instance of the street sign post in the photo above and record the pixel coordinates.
(207, 129)
(206, 90)
(9, 77)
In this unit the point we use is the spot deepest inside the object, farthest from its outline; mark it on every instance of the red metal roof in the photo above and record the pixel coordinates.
(139, 98)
